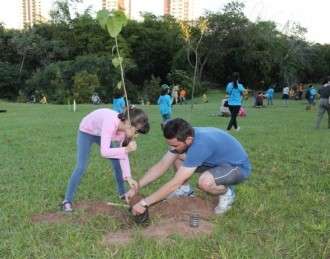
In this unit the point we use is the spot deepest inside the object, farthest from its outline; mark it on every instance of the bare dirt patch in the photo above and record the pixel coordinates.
(167, 218)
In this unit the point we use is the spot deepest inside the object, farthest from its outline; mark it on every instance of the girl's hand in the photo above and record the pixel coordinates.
(130, 194)
(131, 146)
(133, 184)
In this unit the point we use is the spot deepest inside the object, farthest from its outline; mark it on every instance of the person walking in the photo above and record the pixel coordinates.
(324, 106)
(235, 91)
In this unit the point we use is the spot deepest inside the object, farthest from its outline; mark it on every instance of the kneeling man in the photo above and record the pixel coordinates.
(214, 153)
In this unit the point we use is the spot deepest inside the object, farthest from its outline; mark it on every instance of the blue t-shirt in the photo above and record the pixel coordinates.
(164, 102)
(118, 104)
(312, 91)
(213, 147)
(270, 92)
(235, 94)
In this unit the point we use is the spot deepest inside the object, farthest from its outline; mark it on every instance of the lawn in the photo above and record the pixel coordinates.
(282, 211)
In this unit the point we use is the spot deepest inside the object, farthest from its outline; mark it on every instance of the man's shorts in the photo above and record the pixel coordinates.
(225, 174)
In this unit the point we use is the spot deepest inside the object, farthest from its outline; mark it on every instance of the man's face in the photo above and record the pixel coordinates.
(179, 146)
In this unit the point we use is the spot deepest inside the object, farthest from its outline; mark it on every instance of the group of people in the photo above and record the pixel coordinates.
(214, 154)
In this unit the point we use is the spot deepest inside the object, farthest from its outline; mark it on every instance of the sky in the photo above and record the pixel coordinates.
(313, 15)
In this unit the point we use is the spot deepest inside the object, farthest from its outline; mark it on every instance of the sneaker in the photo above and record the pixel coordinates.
(67, 206)
(238, 128)
(182, 191)
(225, 202)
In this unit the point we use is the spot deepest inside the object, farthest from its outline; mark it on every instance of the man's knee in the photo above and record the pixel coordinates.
(206, 181)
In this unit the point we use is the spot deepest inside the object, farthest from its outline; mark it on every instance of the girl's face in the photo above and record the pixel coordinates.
(130, 131)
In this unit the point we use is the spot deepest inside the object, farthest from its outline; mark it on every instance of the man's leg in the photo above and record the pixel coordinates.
(185, 189)
(218, 180)
(320, 115)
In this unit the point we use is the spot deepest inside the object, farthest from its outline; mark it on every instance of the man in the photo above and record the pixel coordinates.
(324, 106)
(218, 156)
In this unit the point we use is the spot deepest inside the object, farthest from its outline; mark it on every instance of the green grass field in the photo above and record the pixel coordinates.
(282, 211)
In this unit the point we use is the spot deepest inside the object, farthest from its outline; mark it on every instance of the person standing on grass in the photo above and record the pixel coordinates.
(324, 106)
(118, 102)
(219, 158)
(103, 126)
(269, 95)
(165, 102)
(235, 91)
(285, 95)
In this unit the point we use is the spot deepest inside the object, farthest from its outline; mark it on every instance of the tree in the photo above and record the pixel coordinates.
(84, 85)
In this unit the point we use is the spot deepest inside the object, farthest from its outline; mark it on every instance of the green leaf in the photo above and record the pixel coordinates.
(116, 61)
(114, 26)
(102, 17)
(119, 85)
(121, 17)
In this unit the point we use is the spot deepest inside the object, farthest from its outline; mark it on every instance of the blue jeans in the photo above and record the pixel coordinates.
(84, 143)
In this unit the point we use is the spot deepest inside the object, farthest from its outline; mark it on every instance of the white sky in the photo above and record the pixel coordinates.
(312, 15)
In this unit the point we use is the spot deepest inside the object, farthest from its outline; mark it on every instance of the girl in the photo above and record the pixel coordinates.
(103, 126)
(235, 91)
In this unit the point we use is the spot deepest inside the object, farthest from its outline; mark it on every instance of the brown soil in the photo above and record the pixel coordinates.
(167, 218)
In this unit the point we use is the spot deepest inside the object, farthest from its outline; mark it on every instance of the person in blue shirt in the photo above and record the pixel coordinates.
(269, 95)
(311, 94)
(118, 102)
(219, 158)
(165, 102)
(235, 92)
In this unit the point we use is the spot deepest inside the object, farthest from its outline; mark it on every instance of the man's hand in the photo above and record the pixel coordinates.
(138, 209)
(131, 146)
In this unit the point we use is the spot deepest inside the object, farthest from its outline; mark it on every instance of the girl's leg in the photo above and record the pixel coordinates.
(84, 143)
(118, 174)
(235, 113)
(231, 121)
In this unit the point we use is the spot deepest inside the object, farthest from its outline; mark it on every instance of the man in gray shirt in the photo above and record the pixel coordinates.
(324, 92)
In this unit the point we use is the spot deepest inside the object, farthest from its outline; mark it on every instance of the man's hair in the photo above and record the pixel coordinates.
(178, 128)
(138, 117)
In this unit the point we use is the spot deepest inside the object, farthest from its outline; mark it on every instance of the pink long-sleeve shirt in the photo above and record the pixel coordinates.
(105, 123)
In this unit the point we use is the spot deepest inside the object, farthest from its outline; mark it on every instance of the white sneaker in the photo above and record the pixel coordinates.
(182, 191)
(225, 202)
(238, 128)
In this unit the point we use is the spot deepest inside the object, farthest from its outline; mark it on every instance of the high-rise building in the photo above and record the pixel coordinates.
(123, 5)
(180, 9)
(31, 12)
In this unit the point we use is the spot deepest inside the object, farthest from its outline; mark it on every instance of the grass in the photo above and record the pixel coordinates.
(282, 211)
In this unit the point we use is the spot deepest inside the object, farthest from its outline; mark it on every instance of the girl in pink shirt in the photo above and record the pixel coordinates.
(114, 133)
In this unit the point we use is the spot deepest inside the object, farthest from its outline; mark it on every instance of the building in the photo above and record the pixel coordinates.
(180, 9)
(123, 5)
(31, 12)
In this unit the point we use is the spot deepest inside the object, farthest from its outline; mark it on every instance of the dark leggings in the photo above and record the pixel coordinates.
(234, 109)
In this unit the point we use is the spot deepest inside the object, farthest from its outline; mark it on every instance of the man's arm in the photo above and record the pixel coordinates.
(158, 169)
(180, 177)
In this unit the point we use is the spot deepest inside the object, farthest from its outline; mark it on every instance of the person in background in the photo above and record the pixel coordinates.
(269, 95)
(164, 101)
(118, 102)
(175, 94)
(285, 95)
(235, 91)
(324, 106)
(95, 99)
(182, 95)
(43, 100)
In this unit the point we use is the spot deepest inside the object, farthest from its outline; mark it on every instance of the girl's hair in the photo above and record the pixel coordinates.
(138, 119)
(235, 79)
